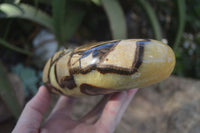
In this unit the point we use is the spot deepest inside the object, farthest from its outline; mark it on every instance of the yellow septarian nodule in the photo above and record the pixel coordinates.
(108, 67)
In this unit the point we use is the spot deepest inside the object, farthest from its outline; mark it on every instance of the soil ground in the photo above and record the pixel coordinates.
(172, 106)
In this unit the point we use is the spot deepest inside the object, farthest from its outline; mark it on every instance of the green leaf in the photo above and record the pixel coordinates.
(14, 48)
(7, 93)
(73, 21)
(116, 18)
(59, 8)
(152, 18)
(66, 20)
(26, 12)
(181, 22)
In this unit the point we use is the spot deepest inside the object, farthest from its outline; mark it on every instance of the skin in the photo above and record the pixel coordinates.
(103, 118)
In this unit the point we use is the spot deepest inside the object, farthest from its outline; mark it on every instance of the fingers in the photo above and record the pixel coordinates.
(95, 113)
(63, 107)
(31, 116)
(60, 117)
(114, 110)
(130, 95)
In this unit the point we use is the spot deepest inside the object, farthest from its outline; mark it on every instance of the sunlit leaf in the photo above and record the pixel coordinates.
(26, 12)
(116, 18)
(7, 93)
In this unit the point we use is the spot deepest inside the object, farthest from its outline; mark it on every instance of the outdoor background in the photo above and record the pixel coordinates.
(31, 31)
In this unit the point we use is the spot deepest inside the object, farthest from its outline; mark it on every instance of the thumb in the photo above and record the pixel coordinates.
(31, 116)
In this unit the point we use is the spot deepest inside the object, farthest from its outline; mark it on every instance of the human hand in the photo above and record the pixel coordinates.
(102, 119)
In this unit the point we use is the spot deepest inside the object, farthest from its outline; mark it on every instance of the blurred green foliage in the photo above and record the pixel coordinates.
(29, 76)
(181, 23)
(8, 94)
(188, 51)
(152, 18)
(188, 61)
(177, 21)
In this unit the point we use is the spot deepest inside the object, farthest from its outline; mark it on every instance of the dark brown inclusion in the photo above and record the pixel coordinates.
(99, 51)
(68, 81)
(93, 90)
(49, 69)
(103, 50)
(139, 55)
(51, 88)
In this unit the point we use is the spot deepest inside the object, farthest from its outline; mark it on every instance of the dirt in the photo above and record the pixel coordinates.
(170, 106)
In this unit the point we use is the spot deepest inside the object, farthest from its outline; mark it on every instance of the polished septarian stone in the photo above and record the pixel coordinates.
(108, 67)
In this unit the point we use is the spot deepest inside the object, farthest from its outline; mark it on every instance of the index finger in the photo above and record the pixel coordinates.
(114, 110)
(31, 116)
